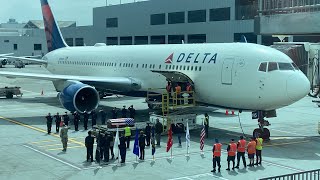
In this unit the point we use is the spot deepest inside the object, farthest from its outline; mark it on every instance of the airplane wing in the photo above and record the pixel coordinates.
(117, 83)
(26, 59)
(6, 54)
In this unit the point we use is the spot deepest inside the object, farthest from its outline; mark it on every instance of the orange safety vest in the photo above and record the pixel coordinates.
(217, 150)
(242, 145)
(252, 147)
(178, 89)
(189, 88)
(233, 149)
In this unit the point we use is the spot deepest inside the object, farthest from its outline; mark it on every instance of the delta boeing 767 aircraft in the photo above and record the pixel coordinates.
(239, 76)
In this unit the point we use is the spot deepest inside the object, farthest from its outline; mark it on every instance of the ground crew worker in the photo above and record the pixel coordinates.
(89, 141)
(206, 124)
(132, 111)
(178, 92)
(127, 134)
(251, 149)
(232, 148)
(158, 130)
(49, 122)
(124, 112)
(76, 119)
(241, 148)
(259, 141)
(148, 133)
(106, 147)
(216, 152)
(103, 117)
(58, 121)
(122, 148)
(85, 120)
(64, 137)
(66, 119)
(114, 113)
(189, 90)
(94, 117)
(142, 144)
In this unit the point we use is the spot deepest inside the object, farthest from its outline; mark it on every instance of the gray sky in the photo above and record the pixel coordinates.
(73, 10)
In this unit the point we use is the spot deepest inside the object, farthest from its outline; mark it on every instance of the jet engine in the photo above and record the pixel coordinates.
(79, 97)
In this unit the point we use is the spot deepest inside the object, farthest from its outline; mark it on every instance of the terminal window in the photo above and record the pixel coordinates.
(112, 40)
(220, 14)
(15, 46)
(158, 39)
(157, 19)
(126, 40)
(197, 38)
(175, 39)
(140, 40)
(176, 18)
(79, 42)
(69, 41)
(197, 16)
(112, 22)
(37, 47)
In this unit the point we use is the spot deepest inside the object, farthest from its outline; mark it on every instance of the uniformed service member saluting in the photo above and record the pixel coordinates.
(58, 121)
(49, 122)
(64, 137)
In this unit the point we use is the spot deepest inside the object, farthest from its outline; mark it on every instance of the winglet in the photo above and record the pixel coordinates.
(52, 30)
(243, 39)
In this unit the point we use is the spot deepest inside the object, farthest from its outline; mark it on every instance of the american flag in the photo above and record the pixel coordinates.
(121, 122)
(202, 135)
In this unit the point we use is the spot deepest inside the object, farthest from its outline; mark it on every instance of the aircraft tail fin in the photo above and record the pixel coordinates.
(243, 39)
(52, 30)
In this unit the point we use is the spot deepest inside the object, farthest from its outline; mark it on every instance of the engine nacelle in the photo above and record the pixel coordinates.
(79, 97)
(4, 62)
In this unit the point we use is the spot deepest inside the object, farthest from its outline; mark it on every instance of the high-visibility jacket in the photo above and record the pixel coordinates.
(259, 143)
(242, 145)
(251, 148)
(217, 150)
(127, 131)
(178, 89)
(233, 149)
(189, 88)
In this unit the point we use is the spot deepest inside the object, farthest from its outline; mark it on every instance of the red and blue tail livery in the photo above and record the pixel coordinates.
(53, 34)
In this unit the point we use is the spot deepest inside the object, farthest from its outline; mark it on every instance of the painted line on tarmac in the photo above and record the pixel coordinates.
(283, 166)
(71, 147)
(44, 141)
(37, 129)
(49, 145)
(199, 176)
(288, 132)
(59, 160)
(289, 143)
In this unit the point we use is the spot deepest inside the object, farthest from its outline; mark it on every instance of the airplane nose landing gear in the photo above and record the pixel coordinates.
(264, 132)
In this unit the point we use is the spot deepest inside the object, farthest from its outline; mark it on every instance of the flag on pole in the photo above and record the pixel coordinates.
(153, 144)
(187, 136)
(170, 140)
(136, 143)
(202, 135)
(116, 144)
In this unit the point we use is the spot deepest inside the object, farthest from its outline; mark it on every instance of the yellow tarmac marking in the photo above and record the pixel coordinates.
(44, 141)
(48, 145)
(37, 129)
(54, 149)
(288, 143)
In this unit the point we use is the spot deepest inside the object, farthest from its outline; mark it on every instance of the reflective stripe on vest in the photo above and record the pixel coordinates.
(252, 147)
(217, 150)
(233, 149)
(127, 131)
(242, 145)
(259, 143)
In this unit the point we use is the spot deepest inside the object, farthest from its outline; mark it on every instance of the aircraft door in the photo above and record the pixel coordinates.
(226, 74)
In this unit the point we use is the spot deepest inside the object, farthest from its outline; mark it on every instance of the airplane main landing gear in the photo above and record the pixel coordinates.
(264, 132)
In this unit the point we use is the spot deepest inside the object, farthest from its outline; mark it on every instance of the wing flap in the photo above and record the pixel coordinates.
(27, 59)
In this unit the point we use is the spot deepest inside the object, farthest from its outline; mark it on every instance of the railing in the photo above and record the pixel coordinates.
(271, 7)
(117, 2)
(306, 175)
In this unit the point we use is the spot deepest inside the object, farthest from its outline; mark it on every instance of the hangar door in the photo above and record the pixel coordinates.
(226, 74)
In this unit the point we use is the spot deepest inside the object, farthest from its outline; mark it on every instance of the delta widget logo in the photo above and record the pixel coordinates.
(169, 59)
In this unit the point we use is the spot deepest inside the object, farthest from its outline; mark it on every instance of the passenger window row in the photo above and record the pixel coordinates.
(273, 66)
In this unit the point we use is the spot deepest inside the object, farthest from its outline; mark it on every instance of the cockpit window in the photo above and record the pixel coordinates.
(263, 67)
(272, 66)
(295, 66)
(285, 66)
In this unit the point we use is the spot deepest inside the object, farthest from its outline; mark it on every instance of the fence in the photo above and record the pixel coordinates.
(306, 175)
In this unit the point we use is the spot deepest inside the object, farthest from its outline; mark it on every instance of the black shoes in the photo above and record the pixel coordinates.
(213, 170)
(228, 169)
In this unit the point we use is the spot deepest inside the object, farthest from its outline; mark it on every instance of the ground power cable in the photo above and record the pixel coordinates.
(241, 125)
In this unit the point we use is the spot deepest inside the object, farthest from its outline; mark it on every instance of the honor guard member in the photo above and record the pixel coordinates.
(148, 133)
(158, 131)
(76, 119)
(103, 117)
(259, 141)
(132, 111)
(85, 120)
(49, 122)
(124, 112)
(58, 121)
(100, 144)
(127, 134)
(122, 148)
(114, 113)
(241, 148)
(232, 148)
(94, 117)
(251, 148)
(206, 124)
(106, 147)
(216, 152)
(89, 141)
(142, 144)
(64, 137)
(66, 119)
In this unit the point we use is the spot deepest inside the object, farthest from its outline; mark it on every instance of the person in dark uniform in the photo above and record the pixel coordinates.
(58, 121)
(85, 120)
(124, 112)
(142, 145)
(106, 147)
(103, 117)
(94, 117)
(49, 122)
(206, 124)
(114, 113)
(148, 133)
(101, 143)
(66, 119)
(76, 119)
(132, 111)
(123, 148)
(89, 141)
(158, 130)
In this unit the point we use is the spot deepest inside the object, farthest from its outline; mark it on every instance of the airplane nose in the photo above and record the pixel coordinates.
(298, 86)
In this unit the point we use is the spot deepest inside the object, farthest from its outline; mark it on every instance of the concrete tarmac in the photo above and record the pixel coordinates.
(28, 152)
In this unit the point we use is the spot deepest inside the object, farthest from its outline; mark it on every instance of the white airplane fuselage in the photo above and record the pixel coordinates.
(229, 75)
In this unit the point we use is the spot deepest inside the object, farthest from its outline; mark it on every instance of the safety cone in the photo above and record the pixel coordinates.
(232, 112)
(227, 113)
(42, 92)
